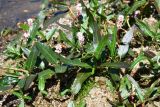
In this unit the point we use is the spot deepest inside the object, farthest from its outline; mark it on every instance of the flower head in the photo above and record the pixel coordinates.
(30, 21)
(80, 38)
(58, 48)
(26, 34)
(120, 20)
(79, 8)
(136, 13)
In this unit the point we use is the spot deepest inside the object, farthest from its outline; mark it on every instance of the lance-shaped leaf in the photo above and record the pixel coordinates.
(74, 62)
(95, 28)
(137, 88)
(7, 82)
(157, 5)
(27, 81)
(41, 83)
(60, 69)
(65, 39)
(113, 42)
(145, 29)
(136, 5)
(137, 60)
(77, 84)
(33, 31)
(151, 89)
(32, 58)
(26, 51)
(47, 52)
(101, 46)
(50, 34)
(42, 77)
(125, 87)
(53, 57)
(115, 65)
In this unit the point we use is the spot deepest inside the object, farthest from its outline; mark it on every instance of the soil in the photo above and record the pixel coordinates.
(13, 11)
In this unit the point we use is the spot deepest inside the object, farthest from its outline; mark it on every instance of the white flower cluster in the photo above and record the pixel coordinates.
(26, 34)
(58, 48)
(30, 23)
(80, 38)
(120, 20)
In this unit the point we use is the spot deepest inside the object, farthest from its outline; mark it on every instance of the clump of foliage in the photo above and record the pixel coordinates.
(101, 38)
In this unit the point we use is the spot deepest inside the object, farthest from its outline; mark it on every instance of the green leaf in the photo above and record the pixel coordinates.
(137, 88)
(114, 75)
(113, 42)
(48, 53)
(137, 60)
(135, 6)
(145, 29)
(8, 80)
(41, 83)
(157, 5)
(42, 77)
(44, 4)
(115, 65)
(24, 26)
(95, 28)
(53, 57)
(82, 103)
(151, 89)
(26, 82)
(46, 74)
(60, 69)
(33, 31)
(26, 51)
(18, 94)
(125, 87)
(75, 62)
(50, 33)
(77, 84)
(22, 103)
(32, 59)
(29, 81)
(65, 39)
(101, 46)
(41, 17)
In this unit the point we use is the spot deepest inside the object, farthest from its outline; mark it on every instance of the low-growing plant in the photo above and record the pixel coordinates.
(92, 44)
